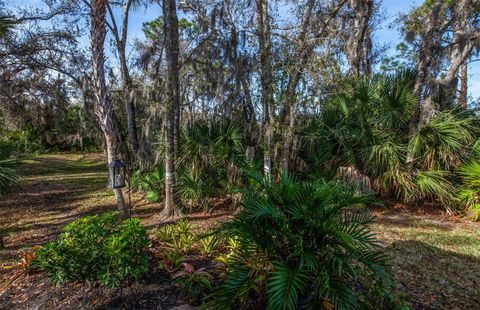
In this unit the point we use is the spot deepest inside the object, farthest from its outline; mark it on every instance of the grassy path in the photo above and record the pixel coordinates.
(435, 259)
(53, 190)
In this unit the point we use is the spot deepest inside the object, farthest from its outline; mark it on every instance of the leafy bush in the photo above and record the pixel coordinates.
(301, 244)
(96, 248)
(364, 127)
(26, 141)
(208, 244)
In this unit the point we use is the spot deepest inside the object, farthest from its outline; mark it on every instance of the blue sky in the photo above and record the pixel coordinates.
(386, 34)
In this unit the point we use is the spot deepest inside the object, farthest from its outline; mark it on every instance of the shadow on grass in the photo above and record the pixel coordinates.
(433, 278)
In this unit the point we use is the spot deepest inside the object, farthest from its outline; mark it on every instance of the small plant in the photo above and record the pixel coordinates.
(194, 283)
(178, 236)
(171, 261)
(183, 227)
(208, 244)
(96, 248)
(184, 243)
(152, 183)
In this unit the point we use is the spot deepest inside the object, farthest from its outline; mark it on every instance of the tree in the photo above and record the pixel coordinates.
(266, 80)
(103, 107)
(170, 27)
(445, 34)
(317, 23)
(359, 43)
(127, 87)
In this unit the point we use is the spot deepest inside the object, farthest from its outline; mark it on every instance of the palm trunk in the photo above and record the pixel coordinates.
(170, 27)
(103, 106)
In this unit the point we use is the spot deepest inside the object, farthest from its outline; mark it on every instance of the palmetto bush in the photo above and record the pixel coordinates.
(364, 127)
(301, 244)
(152, 183)
(469, 193)
(8, 175)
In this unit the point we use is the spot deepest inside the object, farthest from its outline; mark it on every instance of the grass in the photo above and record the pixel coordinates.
(435, 262)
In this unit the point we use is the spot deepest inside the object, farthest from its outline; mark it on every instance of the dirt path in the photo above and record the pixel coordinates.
(435, 258)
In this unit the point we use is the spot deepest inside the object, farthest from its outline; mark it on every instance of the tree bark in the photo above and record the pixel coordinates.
(170, 27)
(103, 106)
(463, 96)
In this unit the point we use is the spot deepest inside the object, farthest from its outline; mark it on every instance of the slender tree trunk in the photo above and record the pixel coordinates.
(462, 99)
(249, 111)
(304, 50)
(170, 27)
(266, 78)
(463, 42)
(358, 47)
(103, 107)
(425, 57)
(121, 41)
(2, 243)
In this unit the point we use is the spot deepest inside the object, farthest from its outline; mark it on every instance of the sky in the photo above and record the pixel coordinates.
(387, 34)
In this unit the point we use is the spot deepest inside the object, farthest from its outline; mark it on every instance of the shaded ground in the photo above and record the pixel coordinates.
(435, 258)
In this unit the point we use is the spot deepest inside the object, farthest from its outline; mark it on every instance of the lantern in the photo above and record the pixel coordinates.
(116, 174)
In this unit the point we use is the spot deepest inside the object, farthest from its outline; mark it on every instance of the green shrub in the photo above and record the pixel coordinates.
(301, 244)
(208, 244)
(96, 248)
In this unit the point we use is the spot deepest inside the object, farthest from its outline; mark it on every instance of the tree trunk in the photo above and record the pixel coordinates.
(463, 42)
(121, 41)
(249, 114)
(359, 44)
(103, 106)
(266, 80)
(425, 57)
(170, 27)
(304, 49)
(462, 98)
(2, 243)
